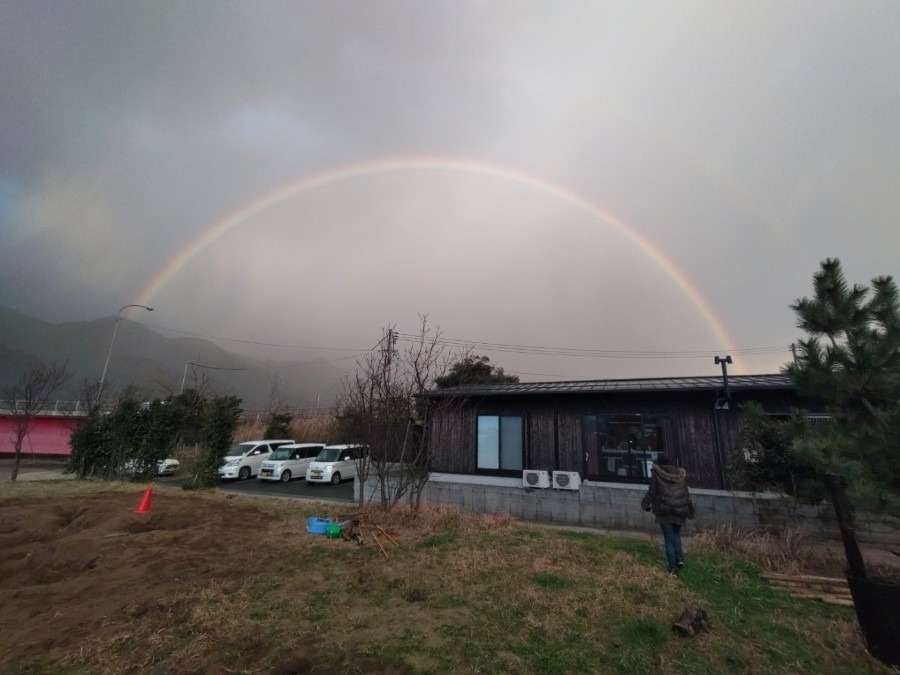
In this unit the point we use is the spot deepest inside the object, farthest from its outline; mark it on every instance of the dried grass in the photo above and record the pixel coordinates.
(312, 428)
(315, 429)
(459, 593)
(429, 519)
(789, 550)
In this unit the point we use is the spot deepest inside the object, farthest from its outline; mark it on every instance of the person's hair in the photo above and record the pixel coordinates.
(662, 458)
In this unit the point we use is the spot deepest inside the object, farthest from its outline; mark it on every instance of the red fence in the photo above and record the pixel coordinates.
(48, 435)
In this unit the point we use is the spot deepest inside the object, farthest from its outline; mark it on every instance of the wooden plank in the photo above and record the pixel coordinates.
(824, 597)
(835, 581)
(815, 589)
(794, 583)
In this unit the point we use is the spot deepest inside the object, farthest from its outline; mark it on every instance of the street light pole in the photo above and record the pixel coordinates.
(111, 342)
(184, 375)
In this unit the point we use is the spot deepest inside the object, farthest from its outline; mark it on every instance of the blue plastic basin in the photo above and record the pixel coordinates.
(316, 525)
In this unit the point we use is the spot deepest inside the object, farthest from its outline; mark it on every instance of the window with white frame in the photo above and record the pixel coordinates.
(501, 442)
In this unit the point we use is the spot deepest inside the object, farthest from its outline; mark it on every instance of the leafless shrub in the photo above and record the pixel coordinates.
(383, 407)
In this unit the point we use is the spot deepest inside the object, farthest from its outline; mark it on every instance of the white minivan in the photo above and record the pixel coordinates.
(335, 463)
(243, 459)
(289, 461)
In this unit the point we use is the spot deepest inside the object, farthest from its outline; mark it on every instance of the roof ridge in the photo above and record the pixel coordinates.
(668, 383)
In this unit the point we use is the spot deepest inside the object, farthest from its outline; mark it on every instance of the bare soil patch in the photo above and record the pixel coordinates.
(75, 569)
(196, 585)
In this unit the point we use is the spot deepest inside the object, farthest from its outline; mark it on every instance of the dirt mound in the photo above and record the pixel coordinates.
(78, 568)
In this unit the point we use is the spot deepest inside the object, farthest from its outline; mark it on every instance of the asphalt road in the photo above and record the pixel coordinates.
(40, 469)
(296, 488)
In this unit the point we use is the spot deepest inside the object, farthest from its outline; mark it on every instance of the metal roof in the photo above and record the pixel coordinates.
(654, 384)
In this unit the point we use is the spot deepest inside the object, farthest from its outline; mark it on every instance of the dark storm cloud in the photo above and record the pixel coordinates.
(745, 141)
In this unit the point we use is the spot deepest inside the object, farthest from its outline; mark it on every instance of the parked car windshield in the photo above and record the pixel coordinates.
(237, 450)
(331, 454)
(280, 454)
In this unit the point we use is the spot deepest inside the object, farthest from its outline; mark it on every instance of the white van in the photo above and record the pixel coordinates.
(335, 463)
(289, 461)
(243, 459)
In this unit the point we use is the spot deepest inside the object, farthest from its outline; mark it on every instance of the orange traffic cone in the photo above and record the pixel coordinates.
(144, 506)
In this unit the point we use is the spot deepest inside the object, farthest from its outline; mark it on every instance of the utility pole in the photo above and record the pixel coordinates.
(388, 351)
(794, 351)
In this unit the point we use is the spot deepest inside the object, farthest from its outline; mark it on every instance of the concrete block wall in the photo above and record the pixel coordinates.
(618, 506)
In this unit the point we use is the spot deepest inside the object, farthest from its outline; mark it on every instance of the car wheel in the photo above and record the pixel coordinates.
(285, 476)
(336, 479)
(244, 473)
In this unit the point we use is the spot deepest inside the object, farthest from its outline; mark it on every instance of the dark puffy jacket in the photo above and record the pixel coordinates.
(668, 492)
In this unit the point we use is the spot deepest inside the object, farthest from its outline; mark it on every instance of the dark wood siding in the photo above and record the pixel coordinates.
(452, 439)
(541, 438)
(554, 428)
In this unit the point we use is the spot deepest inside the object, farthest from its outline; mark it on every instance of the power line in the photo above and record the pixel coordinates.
(570, 378)
(594, 353)
(534, 350)
(203, 365)
(250, 342)
(286, 366)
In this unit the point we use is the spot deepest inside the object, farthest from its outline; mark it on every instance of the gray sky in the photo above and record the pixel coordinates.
(658, 179)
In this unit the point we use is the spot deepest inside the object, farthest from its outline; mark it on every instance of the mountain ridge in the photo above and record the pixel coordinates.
(157, 365)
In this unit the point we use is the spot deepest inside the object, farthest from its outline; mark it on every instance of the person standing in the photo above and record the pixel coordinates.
(669, 500)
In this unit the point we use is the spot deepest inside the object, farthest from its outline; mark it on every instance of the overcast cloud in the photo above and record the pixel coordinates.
(745, 141)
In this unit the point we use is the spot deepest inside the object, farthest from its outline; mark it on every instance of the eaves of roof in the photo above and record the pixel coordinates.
(653, 384)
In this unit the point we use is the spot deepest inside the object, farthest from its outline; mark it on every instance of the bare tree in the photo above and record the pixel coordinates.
(383, 407)
(28, 398)
(197, 380)
(89, 395)
(425, 362)
(276, 402)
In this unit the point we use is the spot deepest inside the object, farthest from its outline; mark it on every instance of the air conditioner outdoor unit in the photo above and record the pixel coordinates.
(566, 480)
(535, 479)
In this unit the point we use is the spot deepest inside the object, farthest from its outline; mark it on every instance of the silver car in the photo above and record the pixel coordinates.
(289, 461)
(244, 459)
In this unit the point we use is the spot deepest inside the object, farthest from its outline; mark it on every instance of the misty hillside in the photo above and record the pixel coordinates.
(156, 364)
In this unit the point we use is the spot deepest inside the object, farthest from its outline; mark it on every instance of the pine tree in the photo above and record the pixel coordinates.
(851, 360)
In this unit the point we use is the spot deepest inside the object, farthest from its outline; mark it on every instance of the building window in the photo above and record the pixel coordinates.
(501, 442)
(622, 447)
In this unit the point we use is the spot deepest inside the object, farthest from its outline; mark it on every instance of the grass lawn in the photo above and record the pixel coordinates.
(216, 583)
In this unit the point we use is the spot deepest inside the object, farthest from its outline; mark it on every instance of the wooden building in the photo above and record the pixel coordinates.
(605, 430)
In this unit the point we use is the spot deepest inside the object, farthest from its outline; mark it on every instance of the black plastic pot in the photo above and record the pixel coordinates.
(878, 612)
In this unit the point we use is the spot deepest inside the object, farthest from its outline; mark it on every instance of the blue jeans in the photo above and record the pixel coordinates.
(672, 538)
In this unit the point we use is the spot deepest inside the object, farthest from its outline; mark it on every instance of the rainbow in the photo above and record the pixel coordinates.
(403, 164)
